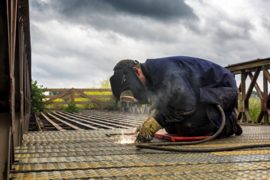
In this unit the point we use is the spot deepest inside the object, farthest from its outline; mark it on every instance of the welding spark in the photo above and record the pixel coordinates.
(126, 139)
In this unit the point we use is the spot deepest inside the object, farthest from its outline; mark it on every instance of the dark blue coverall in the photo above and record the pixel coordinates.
(186, 91)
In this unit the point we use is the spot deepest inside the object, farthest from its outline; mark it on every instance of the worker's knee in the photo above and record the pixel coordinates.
(171, 129)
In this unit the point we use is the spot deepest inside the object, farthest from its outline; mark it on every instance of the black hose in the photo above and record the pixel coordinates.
(155, 145)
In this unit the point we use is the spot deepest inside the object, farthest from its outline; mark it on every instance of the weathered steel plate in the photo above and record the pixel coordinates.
(91, 154)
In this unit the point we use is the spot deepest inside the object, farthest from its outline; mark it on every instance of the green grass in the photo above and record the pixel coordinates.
(254, 107)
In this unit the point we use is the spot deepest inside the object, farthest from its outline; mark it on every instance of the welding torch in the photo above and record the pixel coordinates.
(109, 135)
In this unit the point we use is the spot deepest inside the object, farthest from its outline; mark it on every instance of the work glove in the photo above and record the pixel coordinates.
(146, 131)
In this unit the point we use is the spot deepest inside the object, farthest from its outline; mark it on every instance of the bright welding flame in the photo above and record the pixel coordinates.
(126, 139)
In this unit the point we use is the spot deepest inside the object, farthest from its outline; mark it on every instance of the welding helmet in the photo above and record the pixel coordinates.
(127, 80)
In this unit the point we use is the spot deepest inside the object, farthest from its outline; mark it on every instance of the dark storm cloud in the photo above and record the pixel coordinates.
(156, 9)
(135, 19)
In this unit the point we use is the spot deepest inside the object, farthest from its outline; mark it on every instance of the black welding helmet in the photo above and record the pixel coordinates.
(127, 80)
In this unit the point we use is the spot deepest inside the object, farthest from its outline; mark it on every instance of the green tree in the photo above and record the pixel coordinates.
(37, 97)
(254, 94)
(105, 84)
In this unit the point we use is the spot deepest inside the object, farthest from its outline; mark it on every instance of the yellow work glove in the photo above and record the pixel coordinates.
(146, 131)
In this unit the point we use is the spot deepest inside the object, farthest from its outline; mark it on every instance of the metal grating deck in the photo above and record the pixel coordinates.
(84, 154)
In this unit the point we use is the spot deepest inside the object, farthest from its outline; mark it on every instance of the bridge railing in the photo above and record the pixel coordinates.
(58, 98)
(252, 70)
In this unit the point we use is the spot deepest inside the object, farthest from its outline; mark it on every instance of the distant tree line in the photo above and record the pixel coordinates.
(254, 94)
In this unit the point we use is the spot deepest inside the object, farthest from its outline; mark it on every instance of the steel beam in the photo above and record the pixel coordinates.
(39, 123)
(248, 64)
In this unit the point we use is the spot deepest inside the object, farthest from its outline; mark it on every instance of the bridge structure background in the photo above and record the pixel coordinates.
(252, 69)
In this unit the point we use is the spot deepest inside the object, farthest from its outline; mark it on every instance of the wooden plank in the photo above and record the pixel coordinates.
(55, 90)
(53, 123)
(52, 96)
(72, 95)
(88, 121)
(91, 102)
(70, 125)
(58, 96)
(79, 96)
(81, 102)
(99, 96)
(60, 109)
(59, 102)
(80, 89)
(38, 121)
(94, 90)
(86, 96)
(83, 124)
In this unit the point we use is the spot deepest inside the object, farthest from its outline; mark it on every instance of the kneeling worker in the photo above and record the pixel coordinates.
(184, 92)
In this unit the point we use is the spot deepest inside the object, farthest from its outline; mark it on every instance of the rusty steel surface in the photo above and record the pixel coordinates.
(90, 154)
(15, 75)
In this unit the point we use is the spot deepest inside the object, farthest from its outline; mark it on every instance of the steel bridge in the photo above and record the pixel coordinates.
(75, 146)
(61, 153)
(252, 70)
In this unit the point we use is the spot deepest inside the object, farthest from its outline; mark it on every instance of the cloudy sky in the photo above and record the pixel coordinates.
(76, 43)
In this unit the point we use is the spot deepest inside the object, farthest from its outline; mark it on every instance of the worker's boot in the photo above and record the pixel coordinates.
(236, 128)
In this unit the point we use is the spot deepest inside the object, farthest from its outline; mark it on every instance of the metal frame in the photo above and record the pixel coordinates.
(15, 75)
(252, 70)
